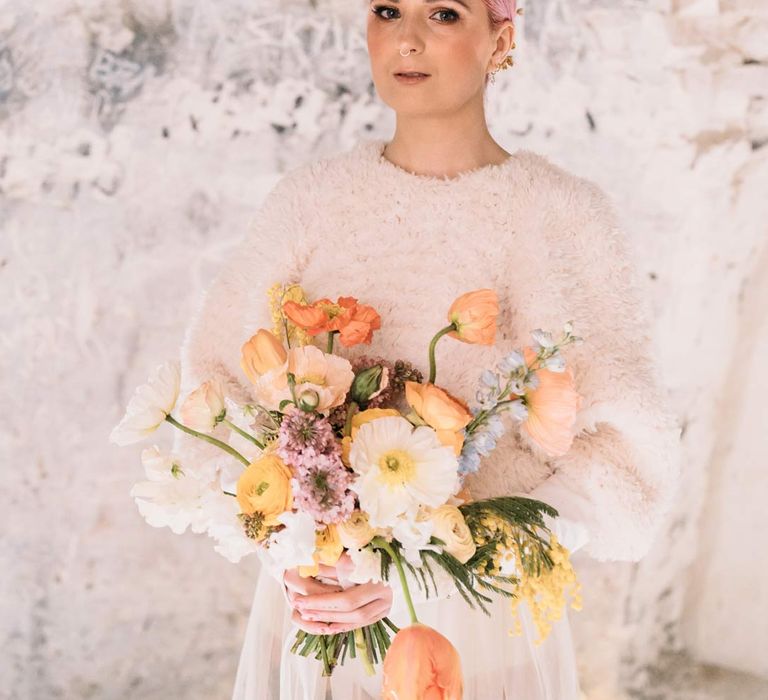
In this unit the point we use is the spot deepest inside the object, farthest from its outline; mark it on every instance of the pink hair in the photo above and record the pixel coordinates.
(501, 10)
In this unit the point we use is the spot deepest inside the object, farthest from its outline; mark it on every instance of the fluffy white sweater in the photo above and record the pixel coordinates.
(546, 240)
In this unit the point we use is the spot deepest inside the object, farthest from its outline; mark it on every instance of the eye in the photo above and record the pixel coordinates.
(453, 16)
(378, 9)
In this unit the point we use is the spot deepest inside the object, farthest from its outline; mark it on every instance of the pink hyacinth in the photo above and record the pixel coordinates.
(302, 431)
(321, 486)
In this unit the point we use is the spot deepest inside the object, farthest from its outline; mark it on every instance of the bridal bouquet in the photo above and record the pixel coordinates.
(366, 457)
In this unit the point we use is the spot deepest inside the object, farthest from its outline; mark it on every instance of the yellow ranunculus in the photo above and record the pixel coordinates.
(450, 526)
(355, 532)
(261, 353)
(370, 414)
(441, 411)
(264, 488)
(328, 549)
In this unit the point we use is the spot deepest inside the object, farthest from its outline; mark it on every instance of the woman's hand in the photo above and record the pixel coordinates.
(327, 609)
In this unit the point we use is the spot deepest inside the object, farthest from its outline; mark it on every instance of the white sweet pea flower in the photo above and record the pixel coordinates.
(204, 408)
(150, 404)
(225, 527)
(175, 503)
(367, 565)
(295, 544)
(159, 465)
(414, 535)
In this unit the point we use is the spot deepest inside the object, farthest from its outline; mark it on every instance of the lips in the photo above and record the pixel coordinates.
(411, 73)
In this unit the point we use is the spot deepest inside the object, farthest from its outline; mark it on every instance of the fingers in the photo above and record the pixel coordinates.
(306, 585)
(365, 615)
(347, 600)
(322, 627)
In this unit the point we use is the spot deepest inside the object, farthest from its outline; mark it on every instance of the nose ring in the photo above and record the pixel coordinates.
(406, 53)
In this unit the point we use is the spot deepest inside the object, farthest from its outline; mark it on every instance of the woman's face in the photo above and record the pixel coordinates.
(451, 40)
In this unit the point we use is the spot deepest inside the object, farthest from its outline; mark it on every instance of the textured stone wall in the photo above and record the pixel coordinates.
(136, 140)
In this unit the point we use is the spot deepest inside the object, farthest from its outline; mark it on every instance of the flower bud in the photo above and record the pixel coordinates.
(368, 383)
(308, 400)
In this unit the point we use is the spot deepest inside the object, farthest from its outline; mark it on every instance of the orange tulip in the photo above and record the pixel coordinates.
(421, 664)
(552, 408)
(261, 353)
(474, 314)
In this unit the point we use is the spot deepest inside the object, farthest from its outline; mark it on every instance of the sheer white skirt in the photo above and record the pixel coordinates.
(495, 665)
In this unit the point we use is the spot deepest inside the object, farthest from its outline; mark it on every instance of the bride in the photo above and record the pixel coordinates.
(406, 226)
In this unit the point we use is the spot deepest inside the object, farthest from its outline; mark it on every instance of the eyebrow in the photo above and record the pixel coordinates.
(432, 2)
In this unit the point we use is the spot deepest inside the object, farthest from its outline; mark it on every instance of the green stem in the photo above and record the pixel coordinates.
(247, 436)
(383, 544)
(351, 410)
(208, 438)
(329, 348)
(432, 346)
(324, 649)
(362, 650)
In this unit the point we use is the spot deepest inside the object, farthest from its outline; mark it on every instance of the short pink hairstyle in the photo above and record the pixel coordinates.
(501, 10)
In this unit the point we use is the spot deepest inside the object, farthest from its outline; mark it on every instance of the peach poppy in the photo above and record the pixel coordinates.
(440, 410)
(261, 353)
(552, 408)
(421, 664)
(474, 314)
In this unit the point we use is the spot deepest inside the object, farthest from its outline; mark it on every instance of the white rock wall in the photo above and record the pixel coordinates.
(137, 138)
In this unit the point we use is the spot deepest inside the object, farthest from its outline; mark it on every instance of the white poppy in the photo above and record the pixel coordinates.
(400, 467)
(150, 404)
(204, 408)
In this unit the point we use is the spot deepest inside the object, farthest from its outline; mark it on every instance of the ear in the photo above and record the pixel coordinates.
(505, 38)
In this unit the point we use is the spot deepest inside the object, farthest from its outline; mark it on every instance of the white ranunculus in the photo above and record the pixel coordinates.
(150, 404)
(399, 468)
(204, 407)
(367, 565)
(295, 544)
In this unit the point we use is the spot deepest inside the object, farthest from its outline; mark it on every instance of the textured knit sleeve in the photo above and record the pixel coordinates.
(618, 481)
(235, 305)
